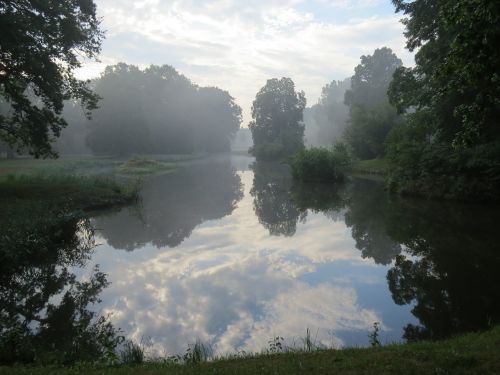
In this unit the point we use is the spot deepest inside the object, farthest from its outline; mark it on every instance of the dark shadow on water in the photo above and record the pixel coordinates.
(172, 205)
(445, 256)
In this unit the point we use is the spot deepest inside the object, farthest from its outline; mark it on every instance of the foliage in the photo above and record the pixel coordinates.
(456, 74)
(436, 169)
(132, 353)
(40, 44)
(371, 79)
(371, 115)
(449, 146)
(44, 315)
(158, 110)
(277, 112)
(320, 164)
(197, 353)
(374, 335)
(368, 130)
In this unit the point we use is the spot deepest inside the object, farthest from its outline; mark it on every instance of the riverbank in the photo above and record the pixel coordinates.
(77, 182)
(474, 353)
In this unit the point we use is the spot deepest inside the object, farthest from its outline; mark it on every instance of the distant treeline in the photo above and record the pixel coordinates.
(155, 110)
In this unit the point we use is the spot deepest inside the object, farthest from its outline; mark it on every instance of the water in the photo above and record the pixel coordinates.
(234, 253)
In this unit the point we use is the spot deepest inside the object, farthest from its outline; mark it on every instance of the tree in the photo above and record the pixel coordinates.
(118, 126)
(326, 120)
(457, 72)
(371, 79)
(450, 143)
(158, 110)
(40, 42)
(371, 115)
(277, 113)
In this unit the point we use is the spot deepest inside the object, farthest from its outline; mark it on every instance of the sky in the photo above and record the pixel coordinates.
(237, 45)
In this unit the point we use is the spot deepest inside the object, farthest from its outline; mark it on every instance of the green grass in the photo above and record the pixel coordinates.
(92, 165)
(19, 194)
(373, 166)
(475, 353)
(141, 166)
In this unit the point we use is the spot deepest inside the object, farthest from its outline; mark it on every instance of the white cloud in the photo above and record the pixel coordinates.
(239, 45)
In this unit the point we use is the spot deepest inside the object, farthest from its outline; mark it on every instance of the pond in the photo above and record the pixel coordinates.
(232, 252)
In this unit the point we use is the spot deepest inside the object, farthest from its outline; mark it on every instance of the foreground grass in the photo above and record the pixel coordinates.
(475, 353)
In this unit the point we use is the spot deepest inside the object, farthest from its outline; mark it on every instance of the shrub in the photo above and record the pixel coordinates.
(320, 164)
(437, 170)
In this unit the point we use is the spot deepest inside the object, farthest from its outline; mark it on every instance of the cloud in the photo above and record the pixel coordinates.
(233, 285)
(239, 45)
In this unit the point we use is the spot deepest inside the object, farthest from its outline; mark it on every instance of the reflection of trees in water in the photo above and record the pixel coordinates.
(173, 205)
(43, 308)
(272, 200)
(451, 270)
(367, 214)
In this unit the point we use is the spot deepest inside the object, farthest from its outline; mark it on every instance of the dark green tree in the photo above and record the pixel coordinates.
(277, 112)
(40, 42)
(457, 72)
(450, 144)
(371, 115)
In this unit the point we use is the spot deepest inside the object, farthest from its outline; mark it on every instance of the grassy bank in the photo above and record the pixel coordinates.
(94, 165)
(77, 182)
(475, 353)
(21, 193)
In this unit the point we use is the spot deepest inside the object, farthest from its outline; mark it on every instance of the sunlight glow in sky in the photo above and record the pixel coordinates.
(238, 45)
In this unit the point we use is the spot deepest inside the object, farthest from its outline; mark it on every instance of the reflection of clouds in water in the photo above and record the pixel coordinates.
(237, 306)
(232, 284)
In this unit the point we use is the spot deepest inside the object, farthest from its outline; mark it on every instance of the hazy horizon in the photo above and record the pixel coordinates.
(237, 46)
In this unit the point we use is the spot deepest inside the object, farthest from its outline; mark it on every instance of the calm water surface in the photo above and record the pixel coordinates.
(233, 252)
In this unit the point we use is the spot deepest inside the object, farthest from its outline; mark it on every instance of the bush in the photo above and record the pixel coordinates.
(320, 164)
(424, 167)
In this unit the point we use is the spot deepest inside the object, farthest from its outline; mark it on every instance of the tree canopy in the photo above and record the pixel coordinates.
(371, 115)
(40, 42)
(158, 110)
(456, 77)
(277, 112)
(325, 121)
(450, 143)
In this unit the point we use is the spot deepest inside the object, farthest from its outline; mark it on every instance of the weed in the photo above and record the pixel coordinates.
(198, 352)
(132, 353)
(374, 335)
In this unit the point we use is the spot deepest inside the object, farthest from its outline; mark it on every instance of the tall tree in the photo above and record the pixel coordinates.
(450, 144)
(371, 115)
(158, 110)
(326, 120)
(277, 112)
(455, 81)
(40, 42)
